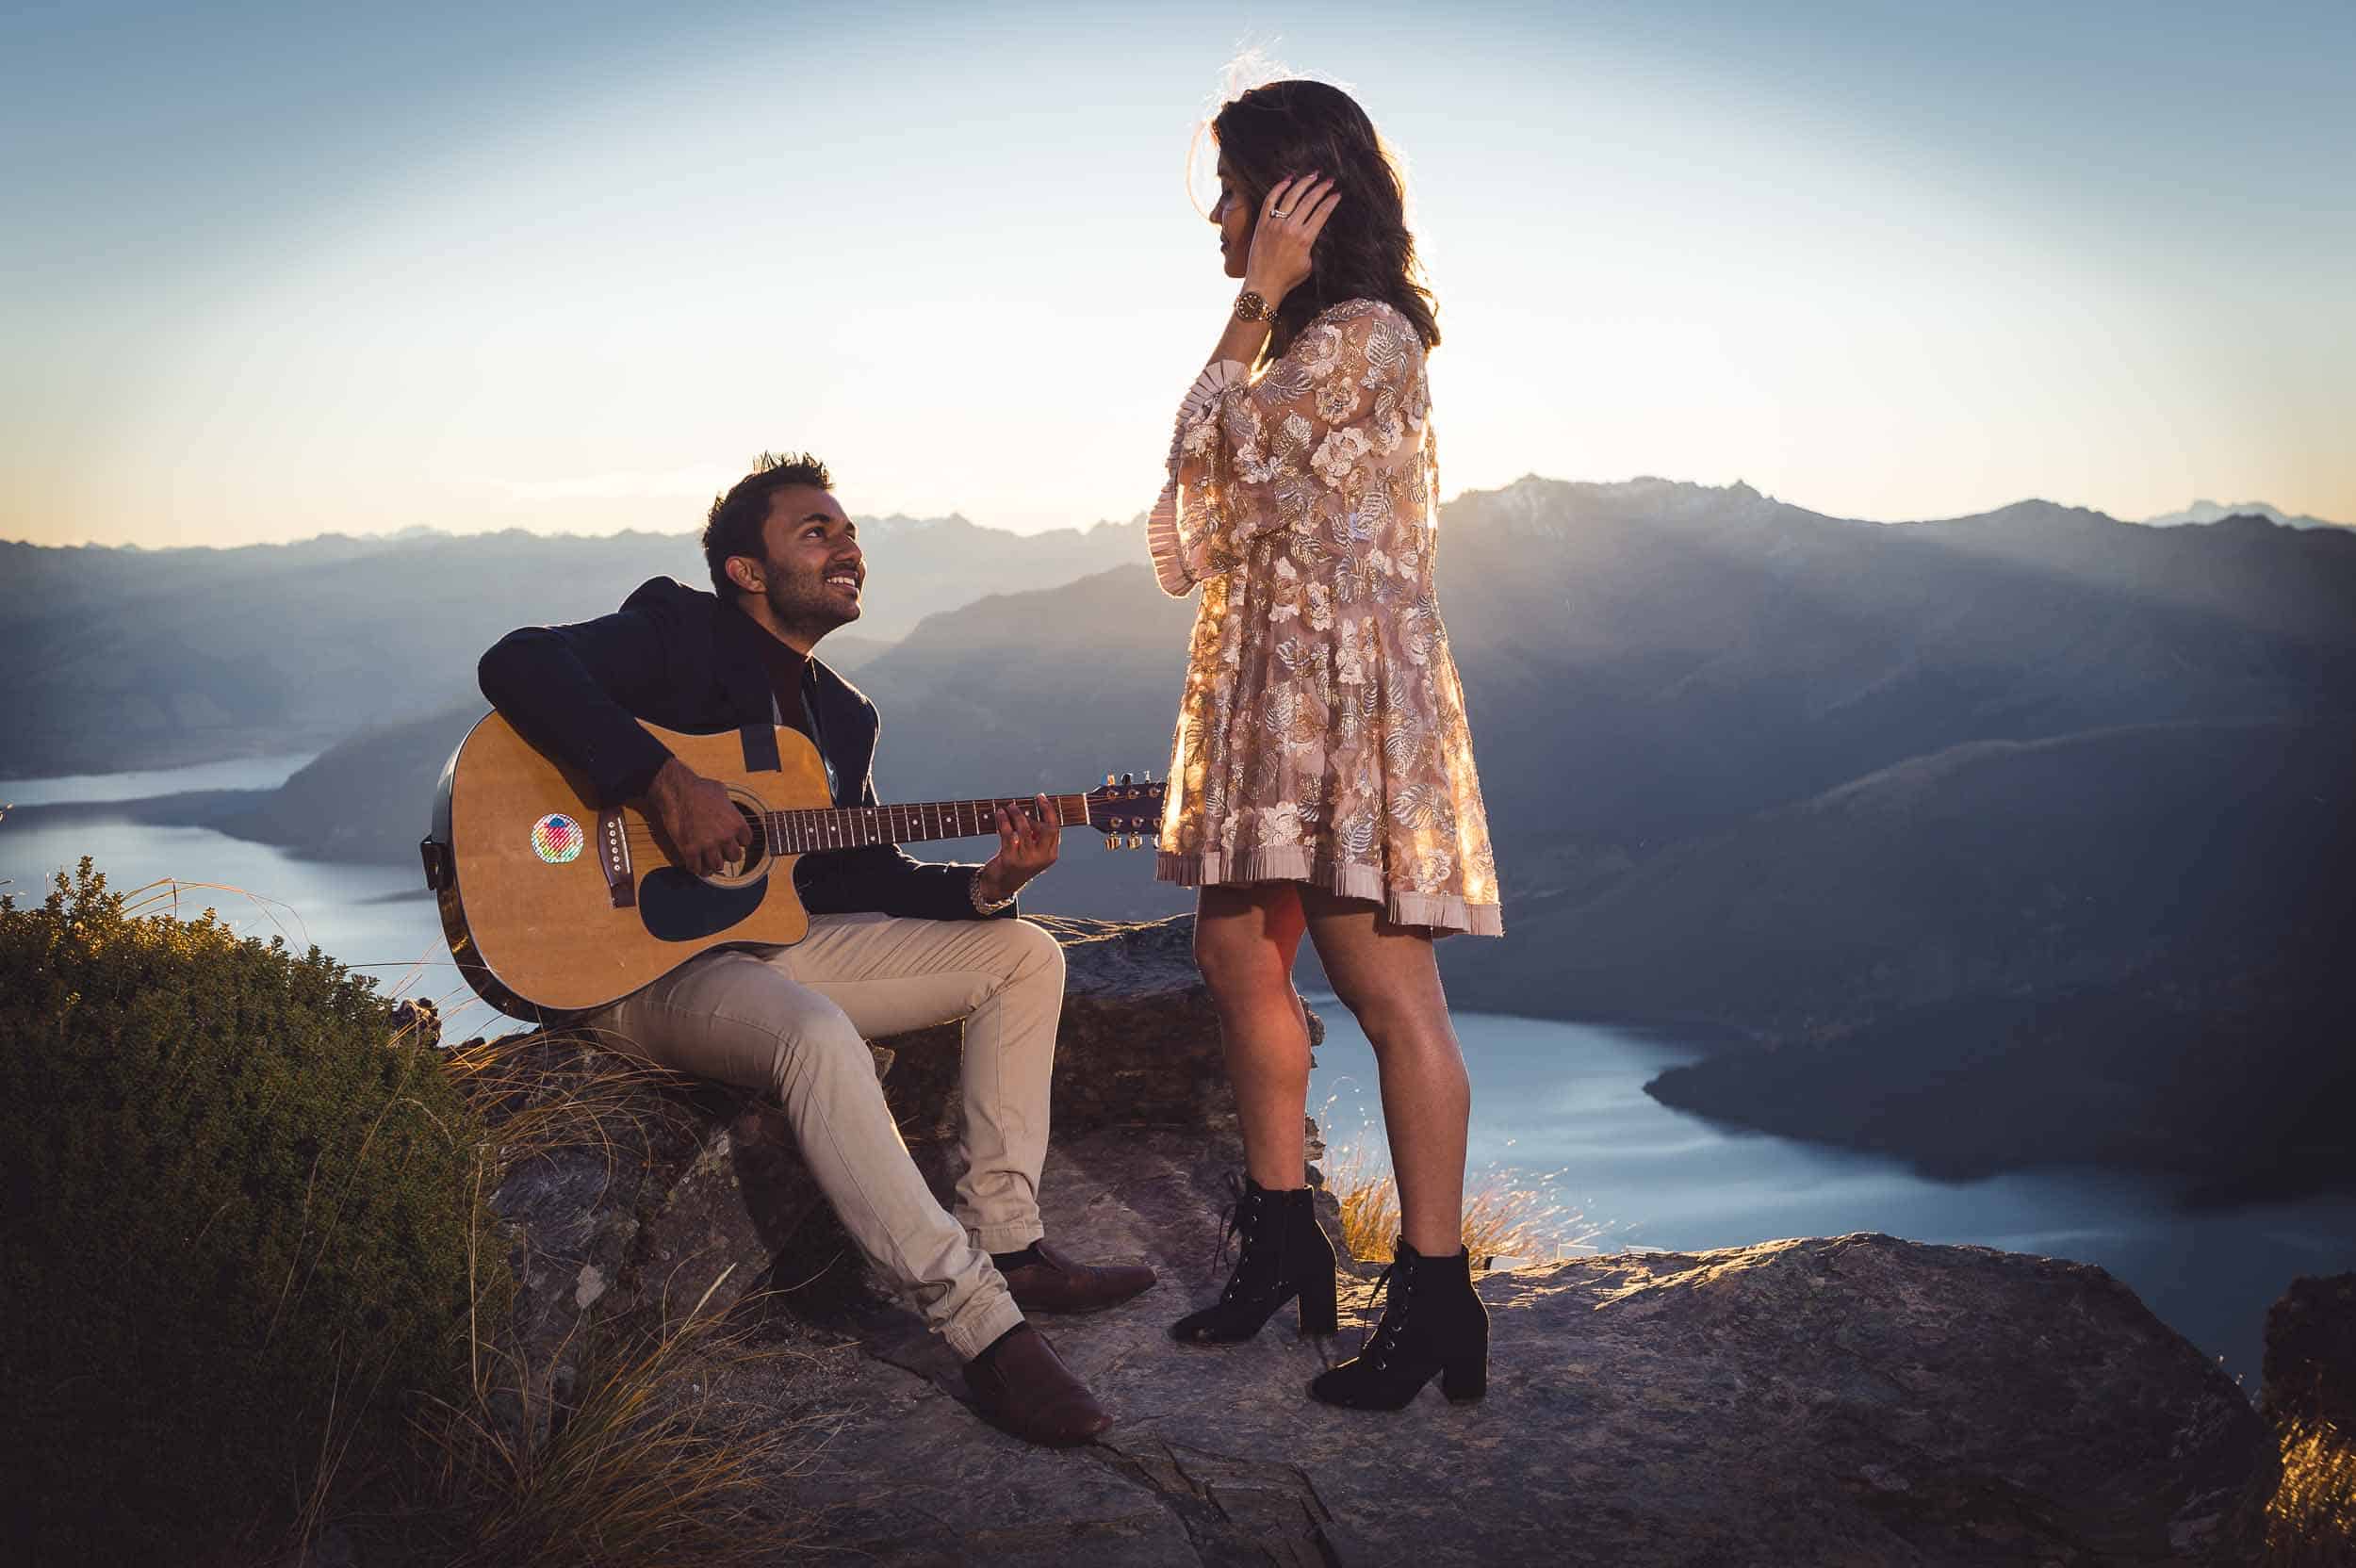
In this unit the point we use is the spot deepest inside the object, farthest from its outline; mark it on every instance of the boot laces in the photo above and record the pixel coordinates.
(1237, 1227)
(1383, 1337)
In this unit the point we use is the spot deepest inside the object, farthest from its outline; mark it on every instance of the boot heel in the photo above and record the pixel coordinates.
(1320, 1310)
(1465, 1380)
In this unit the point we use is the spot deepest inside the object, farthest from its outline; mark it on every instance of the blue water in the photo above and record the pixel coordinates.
(253, 773)
(1559, 1107)
(377, 919)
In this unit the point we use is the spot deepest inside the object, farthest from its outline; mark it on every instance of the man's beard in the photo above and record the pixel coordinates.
(808, 608)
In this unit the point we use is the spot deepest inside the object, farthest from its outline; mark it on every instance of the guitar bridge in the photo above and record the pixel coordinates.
(621, 883)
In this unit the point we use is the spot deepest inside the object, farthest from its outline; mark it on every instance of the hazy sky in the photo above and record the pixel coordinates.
(272, 271)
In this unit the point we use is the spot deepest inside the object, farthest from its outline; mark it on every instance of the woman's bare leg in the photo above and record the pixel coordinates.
(1245, 939)
(1387, 976)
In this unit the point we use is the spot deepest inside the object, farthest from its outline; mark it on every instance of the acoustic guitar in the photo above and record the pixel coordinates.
(554, 905)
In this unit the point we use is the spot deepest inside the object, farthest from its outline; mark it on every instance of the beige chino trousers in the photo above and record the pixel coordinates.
(793, 1022)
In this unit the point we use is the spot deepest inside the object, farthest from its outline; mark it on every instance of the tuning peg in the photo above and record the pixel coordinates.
(1149, 775)
(1136, 842)
(1110, 781)
(1127, 778)
(1112, 840)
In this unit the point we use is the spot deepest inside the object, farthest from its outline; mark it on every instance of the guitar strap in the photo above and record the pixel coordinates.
(817, 729)
(761, 747)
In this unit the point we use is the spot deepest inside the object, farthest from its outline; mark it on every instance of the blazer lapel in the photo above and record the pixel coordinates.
(847, 725)
(743, 678)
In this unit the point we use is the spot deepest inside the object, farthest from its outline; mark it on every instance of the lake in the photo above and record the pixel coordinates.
(377, 919)
(1557, 1108)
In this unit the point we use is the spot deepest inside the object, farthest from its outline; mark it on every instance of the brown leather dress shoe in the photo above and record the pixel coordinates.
(1024, 1388)
(1059, 1284)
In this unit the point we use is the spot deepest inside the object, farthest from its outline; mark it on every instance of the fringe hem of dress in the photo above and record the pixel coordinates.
(1442, 912)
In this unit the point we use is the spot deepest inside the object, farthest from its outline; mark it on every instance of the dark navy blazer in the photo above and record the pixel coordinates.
(676, 657)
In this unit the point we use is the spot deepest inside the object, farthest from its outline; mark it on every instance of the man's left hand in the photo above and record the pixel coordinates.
(1028, 843)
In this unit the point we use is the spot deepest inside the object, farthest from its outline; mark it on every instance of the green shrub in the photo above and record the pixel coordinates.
(237, 1233)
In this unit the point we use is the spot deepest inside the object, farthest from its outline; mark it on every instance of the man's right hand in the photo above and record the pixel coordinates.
(697, 815)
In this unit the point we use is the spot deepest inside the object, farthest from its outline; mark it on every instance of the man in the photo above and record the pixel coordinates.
(894, 944)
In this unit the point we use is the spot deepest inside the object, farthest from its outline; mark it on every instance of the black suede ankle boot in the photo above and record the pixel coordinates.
(1431, 1323)
(1285, 1254)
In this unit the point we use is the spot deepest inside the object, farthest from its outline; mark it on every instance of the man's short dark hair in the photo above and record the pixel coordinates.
(733, 525)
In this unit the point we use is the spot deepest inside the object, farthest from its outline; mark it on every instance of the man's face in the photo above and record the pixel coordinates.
(814, 573)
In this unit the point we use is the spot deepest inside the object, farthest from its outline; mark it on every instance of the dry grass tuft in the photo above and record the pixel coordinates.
(649, 1465)
(2310, 1519)
(646, 1464)
(1502, 1219)
(541, 1094)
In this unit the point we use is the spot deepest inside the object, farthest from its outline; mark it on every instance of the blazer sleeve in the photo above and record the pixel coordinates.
(886, 879)
(571, 690)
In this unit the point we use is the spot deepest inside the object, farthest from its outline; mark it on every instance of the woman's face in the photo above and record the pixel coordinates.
(1233, 216)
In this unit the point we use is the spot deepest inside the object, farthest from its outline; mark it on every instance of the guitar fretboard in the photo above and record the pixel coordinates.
(849, 827)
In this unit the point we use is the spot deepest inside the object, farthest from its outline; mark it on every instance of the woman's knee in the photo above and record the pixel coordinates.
(1239, 963)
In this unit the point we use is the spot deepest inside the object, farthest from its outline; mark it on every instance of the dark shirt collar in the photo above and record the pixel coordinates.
(781, 665)
(783, 662)
(753, 640)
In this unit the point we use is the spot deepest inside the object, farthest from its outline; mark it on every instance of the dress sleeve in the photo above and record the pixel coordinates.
(1248, 457)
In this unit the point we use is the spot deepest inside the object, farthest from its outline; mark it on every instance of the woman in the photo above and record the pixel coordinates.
(1321, 779)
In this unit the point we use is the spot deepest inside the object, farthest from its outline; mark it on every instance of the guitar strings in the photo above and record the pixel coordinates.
(640, 835)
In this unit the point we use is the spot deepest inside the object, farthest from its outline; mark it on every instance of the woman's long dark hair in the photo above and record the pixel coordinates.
(1281, 129)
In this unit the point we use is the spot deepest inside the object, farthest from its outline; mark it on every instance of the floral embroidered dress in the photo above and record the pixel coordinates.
(1321, 737)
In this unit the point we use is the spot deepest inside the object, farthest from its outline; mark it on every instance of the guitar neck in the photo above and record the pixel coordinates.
(850, 826)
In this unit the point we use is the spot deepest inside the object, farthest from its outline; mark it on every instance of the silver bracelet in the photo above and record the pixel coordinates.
(973, 892)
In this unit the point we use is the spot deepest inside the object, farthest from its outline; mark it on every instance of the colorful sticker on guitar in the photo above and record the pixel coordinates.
(556, 838)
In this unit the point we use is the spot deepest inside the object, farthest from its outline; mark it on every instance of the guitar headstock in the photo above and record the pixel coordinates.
(1126, 809)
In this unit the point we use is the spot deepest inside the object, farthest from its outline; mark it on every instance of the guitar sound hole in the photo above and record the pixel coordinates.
(676, 905)
(756, 861)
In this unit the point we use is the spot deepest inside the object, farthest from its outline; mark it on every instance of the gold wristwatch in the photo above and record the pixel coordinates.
(1250, 307)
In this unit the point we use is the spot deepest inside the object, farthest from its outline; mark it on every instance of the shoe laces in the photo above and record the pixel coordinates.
(1232, 1226)
(1383, 1337)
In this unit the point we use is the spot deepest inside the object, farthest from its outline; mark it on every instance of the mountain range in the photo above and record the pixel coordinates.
(2029, 808)
(118, 658)
(2209, 512)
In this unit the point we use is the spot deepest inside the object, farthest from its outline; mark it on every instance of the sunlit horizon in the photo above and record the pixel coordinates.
(280, 274)
(690, 525)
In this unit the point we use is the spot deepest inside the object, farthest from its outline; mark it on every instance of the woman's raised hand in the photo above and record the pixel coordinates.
(1287, 232)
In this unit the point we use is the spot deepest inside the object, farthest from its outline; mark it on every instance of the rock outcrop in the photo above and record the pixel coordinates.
(1857, 1399)
(2311, 1353)
(2299, 1510)
(695, 1193)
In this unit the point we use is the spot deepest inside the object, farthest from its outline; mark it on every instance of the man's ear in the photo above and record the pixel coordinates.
(745, 573)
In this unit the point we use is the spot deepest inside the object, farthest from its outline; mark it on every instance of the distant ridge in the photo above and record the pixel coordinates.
(338, 541)
(1532, 496)
(1876, 793)
(110, 655)
(2205, 512)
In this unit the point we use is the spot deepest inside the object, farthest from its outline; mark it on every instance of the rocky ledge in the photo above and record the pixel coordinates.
(1857, 1399)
